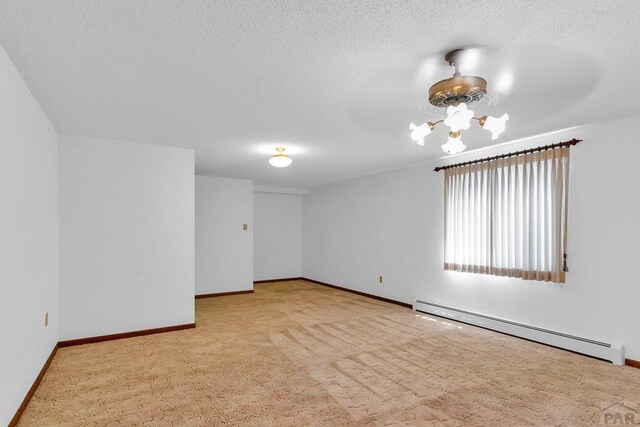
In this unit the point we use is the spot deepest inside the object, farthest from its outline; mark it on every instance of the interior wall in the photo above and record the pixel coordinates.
(224, 250)
(391, 224)
(126, 236)
(28, 238)
(277, 236)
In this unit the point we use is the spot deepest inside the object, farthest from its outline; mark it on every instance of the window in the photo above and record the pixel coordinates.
(508, 217)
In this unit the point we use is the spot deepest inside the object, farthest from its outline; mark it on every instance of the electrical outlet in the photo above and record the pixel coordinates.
(46, 319)
(381, 279)
(245, 227)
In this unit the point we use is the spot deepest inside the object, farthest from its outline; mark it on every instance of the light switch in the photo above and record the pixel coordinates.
(46, 319)
(245, 227)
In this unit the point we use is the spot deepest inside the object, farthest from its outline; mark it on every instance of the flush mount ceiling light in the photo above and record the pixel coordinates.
(280, 160)
(455, 94)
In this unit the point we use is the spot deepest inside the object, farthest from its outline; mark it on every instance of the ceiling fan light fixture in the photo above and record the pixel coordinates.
(280, 160)
(455, 94)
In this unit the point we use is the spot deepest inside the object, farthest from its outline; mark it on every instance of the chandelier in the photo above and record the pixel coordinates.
(455, 94)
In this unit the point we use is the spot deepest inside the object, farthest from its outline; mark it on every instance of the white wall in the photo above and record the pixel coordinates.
(224, 251)
(126, 236)
(277, 236)
(28, 238)
(391, 224)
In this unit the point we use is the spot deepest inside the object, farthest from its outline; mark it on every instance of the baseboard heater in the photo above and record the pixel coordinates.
(601, 350)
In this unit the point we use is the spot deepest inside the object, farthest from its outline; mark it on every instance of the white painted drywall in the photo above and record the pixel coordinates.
(391, 224)
(277, 236)
(126, 236)
(224, 251)
(28, 238)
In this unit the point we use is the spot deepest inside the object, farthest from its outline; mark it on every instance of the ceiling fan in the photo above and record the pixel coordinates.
(455, 95)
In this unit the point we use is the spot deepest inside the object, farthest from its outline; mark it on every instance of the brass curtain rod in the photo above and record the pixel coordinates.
(515, 153)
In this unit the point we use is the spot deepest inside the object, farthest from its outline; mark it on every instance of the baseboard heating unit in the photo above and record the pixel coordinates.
(601, 350)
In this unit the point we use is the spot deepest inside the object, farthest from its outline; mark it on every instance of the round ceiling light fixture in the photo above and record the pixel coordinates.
(280, 160)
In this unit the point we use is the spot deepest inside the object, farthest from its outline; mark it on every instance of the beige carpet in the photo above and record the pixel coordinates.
(298, 354)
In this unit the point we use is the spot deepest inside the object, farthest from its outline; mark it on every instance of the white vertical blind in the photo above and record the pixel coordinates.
(508, 217)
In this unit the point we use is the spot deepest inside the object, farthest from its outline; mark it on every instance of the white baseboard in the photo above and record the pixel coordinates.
(601, 350)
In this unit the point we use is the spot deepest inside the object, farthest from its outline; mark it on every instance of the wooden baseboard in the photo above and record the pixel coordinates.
(34, 386)
(288, 279)
(222, 294)
(364, 294)
(631, 362)
(90, 340)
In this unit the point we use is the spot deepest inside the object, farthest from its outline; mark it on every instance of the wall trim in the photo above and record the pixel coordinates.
(363, 294)
(280, 190)
(633, 363)
(287, 279)
(34, 386)
(223, 294)
(573, 343)
(122, 335)
(89, 340)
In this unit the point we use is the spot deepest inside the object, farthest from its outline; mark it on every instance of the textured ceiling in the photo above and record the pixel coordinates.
(336, 82)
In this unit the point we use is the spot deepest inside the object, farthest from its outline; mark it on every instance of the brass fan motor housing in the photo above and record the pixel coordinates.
(457, 89)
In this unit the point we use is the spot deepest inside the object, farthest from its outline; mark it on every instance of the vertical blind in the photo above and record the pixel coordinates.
(508, 217)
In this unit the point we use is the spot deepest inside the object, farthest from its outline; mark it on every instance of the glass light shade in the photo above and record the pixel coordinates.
(419, 132)
(280, 160)
(458, 117)
(453, 146)
(496, 126)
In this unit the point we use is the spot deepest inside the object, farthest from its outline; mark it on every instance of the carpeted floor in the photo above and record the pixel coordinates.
(297, 354)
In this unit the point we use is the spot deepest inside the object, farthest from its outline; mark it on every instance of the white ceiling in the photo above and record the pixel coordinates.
(336, 82)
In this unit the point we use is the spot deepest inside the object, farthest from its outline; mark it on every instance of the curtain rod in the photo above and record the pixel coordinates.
(515, 153)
